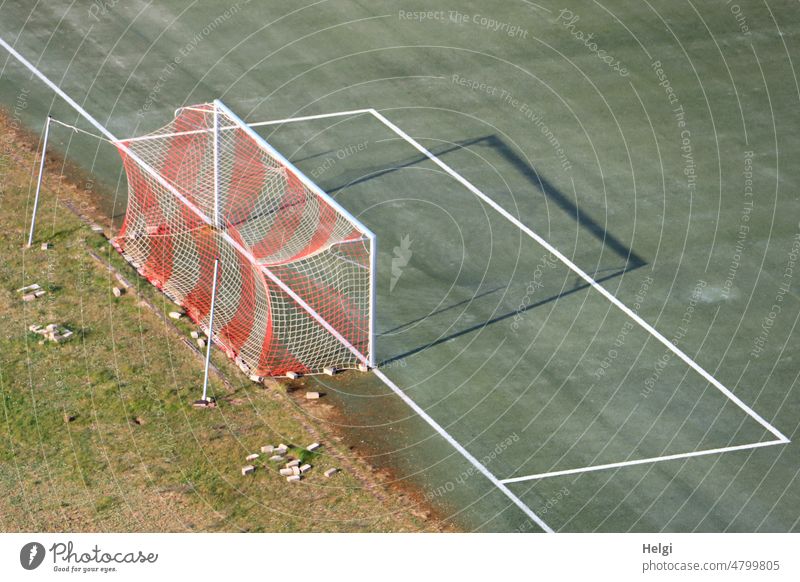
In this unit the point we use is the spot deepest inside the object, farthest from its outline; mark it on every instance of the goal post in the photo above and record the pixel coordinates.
(296, 288)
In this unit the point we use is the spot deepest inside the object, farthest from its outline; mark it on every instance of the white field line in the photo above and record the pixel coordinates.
(160, 179)
(464, 452)
(642, 461)
(583, 275)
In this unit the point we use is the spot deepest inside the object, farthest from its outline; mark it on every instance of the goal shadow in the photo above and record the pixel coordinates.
(629, 258)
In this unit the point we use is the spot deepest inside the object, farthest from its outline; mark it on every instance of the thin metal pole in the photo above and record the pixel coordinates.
(210, 329)
(373, 272)
(216, 165)
(39, 181)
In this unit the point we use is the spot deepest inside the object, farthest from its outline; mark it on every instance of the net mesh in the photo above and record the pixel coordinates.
(293, 291)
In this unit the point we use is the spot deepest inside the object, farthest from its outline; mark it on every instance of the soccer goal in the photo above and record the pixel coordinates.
(296, 282)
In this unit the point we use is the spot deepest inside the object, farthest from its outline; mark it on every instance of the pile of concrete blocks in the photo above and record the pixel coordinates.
(293, 470)
(52, 332)
(31, 292)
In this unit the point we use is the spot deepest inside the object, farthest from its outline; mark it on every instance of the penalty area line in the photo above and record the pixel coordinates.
(643, 461)
(464, 452)
(585, 276)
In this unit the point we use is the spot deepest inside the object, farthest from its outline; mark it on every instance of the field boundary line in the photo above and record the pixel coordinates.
(464, 452)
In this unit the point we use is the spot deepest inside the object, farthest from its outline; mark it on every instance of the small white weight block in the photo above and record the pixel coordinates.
(252, 457)
(267, 449)
(116, 291)
(45, 246)
(201, 343)
(248, 470)
(194, 335)
(295, 470)
(286, 472)
(293, 478)
(292, 375)
(331, 472)
(122, 281)
(175, 314)
(312, 447)
(294, 463)
(329, 371)
(363, 368)
(28, 288)
(304, 468)
(276, 458)
(256, 378)
(312, 395)
(282, 448)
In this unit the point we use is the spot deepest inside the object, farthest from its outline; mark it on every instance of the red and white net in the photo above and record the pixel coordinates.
(294, 285)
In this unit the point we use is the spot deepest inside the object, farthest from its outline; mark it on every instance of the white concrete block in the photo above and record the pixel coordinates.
(331, 472)
(294, 463)
(295, 470)
(194, 334)
(248, 470)
(286, 472)
(292, 375)
(282, 448)
(363, 368)
(175, 314)
(329, 370)
(252, 457)
(256, 378)
(312, 395)
(276, 458)
(312, 447)
(293, 478)
(122, 281)
(45, 246)
(267, 449)
(116, 291)
(201, 343)
(28, 288)
(305, 468)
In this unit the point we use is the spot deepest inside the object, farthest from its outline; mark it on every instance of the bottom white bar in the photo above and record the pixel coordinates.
(401, 556)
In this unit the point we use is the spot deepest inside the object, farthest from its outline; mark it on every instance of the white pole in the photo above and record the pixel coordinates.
(210, 330)
(216, 165)
(373, 270)
(39, 181)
